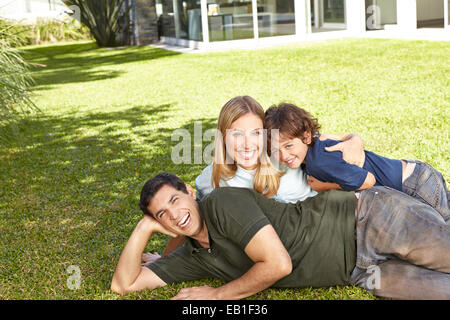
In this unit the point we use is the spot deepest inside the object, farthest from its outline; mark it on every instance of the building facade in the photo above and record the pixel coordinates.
(208, 23)
(220, 23)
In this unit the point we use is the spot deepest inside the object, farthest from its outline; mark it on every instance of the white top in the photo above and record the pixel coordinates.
(293, 184)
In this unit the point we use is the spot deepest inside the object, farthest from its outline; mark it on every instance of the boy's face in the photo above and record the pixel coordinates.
(176, 211)
(290, 151)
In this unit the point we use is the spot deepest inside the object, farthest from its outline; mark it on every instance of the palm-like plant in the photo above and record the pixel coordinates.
(14, 79)
(102, 18)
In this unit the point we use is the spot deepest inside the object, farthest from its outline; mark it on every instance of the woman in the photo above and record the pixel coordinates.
(241, 159)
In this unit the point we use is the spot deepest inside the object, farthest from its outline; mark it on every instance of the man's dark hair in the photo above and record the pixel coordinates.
(152, 186)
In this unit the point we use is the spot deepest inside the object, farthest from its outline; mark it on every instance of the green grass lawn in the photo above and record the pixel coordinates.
(70, 186)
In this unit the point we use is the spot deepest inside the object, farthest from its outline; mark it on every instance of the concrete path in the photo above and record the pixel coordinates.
(427, 34)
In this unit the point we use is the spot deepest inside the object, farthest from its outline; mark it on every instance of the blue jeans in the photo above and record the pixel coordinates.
(403, 247)
(428, 185)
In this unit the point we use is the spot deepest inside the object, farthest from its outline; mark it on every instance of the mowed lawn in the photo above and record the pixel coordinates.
(70, 186)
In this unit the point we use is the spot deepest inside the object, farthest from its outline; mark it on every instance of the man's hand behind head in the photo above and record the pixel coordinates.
(151, 225)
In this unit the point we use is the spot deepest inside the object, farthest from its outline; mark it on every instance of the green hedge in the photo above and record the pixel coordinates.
(14, 80)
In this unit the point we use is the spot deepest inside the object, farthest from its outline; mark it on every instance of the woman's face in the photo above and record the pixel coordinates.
(244, 140)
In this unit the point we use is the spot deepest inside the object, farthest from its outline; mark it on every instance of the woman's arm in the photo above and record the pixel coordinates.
(320, 186)
(352, 147)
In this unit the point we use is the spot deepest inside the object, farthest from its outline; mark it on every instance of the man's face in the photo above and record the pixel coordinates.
(176, 211)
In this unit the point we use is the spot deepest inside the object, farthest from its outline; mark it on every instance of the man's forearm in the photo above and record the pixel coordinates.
(271, 263)
(129, 265)
(258, 278)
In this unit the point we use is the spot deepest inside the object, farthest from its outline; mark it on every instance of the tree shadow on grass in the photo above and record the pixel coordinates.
(72, 188)
(74, 63)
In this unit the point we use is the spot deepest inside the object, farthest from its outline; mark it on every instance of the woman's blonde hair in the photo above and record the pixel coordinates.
(267, 177)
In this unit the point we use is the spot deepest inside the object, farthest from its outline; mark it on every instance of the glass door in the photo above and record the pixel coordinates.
(447, 13)
(327, 15)
(230, 20)
(276, 18)
(333, 11)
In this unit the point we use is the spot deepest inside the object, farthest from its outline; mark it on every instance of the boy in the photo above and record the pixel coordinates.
(297, 145)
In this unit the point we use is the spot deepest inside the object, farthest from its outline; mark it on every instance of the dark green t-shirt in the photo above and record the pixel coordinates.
(319, 234)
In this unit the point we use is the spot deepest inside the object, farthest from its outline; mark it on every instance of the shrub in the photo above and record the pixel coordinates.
(14, 79)
(106, 19)
(43, 31)
(55, 31)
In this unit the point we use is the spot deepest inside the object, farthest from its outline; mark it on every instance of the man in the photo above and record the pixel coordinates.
(253, 242)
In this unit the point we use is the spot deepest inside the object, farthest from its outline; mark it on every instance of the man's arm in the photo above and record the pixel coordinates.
(272, 262)
(352, 147)
(130, 275)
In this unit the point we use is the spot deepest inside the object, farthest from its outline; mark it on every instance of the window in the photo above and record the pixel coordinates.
(276, 18)
(230, 20)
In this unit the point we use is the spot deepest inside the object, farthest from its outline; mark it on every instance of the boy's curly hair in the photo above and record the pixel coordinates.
(291, 121)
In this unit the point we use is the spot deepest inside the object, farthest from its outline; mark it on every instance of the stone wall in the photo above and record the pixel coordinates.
(145, 22)
(167, 21)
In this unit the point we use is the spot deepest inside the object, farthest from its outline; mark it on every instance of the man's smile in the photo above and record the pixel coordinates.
(184, 221)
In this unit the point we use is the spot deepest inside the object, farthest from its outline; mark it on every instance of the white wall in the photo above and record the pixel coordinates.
(9, 7)
(18, 9)
(302, 17)
(430, 9)
(355, 13)
(446, 14)
(406, 14)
